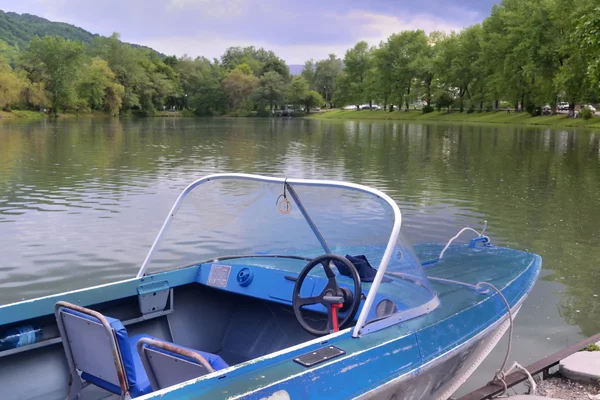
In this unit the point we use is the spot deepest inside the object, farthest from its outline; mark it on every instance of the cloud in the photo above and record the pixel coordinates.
(380, 27)
(361, 25)
(209, 8)
(295, 30)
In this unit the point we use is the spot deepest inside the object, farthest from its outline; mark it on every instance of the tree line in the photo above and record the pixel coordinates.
(106, 74)
(524, 55)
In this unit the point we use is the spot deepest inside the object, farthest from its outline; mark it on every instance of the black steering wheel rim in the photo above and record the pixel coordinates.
(331, 289)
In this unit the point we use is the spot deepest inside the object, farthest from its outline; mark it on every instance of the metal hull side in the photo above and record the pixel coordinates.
(440, 378)
(383, 364)
(424, 358)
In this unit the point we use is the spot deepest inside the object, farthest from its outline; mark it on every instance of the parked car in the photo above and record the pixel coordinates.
(547, 110)
(563, 106)
(350, 107)
(590, 107)
(370, 107)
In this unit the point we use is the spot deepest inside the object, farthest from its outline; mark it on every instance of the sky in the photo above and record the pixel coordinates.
(295, 30)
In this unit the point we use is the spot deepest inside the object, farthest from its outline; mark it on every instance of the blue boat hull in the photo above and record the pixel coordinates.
(423, 358)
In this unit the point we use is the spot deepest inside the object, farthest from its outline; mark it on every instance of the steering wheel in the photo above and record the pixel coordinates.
(332, 297)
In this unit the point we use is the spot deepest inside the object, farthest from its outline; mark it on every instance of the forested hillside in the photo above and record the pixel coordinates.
(526, 54)
(17, 30)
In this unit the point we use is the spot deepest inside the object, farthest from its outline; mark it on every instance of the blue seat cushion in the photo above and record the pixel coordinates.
(134, 370)
(215, 361)
(138, 381)
(142, 383)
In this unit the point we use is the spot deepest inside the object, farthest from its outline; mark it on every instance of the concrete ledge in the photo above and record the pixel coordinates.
(583, 366)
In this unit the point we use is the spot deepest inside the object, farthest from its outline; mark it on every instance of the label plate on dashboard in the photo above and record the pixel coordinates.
(219, 275)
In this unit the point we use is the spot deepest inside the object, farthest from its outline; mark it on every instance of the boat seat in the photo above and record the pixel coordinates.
(167, 365)
(100, 348)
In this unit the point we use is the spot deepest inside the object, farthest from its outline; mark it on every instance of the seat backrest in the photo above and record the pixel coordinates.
(167, 364)
(96, 345)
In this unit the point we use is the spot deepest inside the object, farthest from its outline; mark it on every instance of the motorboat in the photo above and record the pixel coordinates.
(273, 288)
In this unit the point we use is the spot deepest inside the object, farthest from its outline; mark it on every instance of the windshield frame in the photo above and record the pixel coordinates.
(289, 183)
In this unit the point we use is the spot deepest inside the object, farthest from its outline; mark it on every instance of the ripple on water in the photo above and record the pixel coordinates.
(79, 208)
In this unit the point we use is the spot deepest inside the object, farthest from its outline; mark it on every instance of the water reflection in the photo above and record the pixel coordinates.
(81, 200)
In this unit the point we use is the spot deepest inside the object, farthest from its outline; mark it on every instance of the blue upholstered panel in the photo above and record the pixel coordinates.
(214, 360)
(134, 371)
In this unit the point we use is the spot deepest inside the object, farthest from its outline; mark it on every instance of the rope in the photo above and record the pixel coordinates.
(500, 374)
(484, 288)
(460, 233)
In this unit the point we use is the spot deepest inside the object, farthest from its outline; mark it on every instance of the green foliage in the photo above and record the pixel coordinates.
(238, 85)
(591, 347)
(312, 99)
(56, 62)
(10, 87)
(309, 73)
(260, 60)
(270, 90)
(98, 88)
(357, 87)
(17, 30)
(444, 100)
(428, 109)
(587, 37)
(586, 113)
(326, 73)
(524, 55)
(297, 90)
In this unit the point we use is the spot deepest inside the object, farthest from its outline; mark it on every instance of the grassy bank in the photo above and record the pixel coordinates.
(25, 114)
(22, 114)
(499, 117)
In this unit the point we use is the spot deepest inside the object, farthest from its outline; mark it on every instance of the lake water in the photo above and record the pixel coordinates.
(81, 200)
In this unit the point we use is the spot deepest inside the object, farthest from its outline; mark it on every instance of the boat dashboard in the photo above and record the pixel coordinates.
(272, 278)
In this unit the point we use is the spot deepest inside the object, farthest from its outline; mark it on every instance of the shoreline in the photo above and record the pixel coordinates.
(38, 115)
(492, 117)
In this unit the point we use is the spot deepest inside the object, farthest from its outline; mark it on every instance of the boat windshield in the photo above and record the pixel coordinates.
(230, 215)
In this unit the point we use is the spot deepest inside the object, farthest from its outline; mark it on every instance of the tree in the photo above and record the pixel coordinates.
(33, 94)
(424, 63)
(358, 62)
(457, 62)
(308, 73)
(275, 64)
(148, 81)
(239, 84)
(444, 100)
(202, 85)
(325, 76)
(343, 92)
(10, 86)
(98, 87)
(312, 99)
(297, 90)
(587, 33)
(55, 62)
(573, 77)
(271, 88)
(260, 60)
